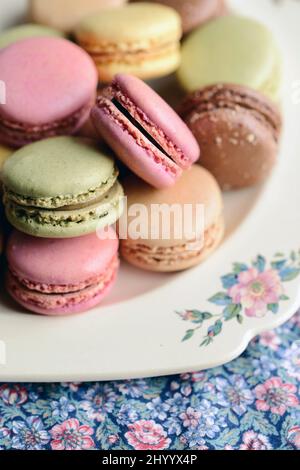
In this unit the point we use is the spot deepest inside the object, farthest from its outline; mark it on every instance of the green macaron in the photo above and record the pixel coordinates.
(61, 187)
(232, 49)
(24, 31)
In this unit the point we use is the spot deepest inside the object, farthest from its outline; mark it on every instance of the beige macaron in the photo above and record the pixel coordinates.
(65, 14)
(172, 229)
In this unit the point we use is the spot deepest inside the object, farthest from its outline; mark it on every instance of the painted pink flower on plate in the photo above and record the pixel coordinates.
(13, 394)
(256, 290)
(147, 435)
(70, 435)
(276, 396)
(255, 441)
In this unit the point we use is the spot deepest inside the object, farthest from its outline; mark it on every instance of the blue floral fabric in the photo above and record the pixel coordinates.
(251, 403)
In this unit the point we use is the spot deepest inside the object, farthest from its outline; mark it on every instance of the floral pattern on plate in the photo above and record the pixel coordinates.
(251, 403)
(248, 291)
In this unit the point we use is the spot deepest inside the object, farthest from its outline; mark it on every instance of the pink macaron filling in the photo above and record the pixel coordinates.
(149, 148)
(145, 125)
(144, 131)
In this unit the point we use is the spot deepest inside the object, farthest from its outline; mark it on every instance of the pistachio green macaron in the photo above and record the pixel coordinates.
(24, 31)
(232, 49)
(61, 187)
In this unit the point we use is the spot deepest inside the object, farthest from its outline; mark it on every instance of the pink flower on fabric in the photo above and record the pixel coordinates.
(255, 441)
(276, 396)
(70, 435)
(270, 340)
(147, 435)
(255, 290)
(13, 394)
(112, 439)
(190, 417)
(293, 436)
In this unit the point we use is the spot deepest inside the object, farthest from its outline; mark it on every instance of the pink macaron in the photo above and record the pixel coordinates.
(50, 87)
(144, 131)
(61, 276)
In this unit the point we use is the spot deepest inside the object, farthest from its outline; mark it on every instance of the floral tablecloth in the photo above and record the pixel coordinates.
(251, 403)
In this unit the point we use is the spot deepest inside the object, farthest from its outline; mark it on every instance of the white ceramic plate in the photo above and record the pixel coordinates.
(138, 332)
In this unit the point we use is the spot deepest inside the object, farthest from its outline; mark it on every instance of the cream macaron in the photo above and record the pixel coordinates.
(142, 39)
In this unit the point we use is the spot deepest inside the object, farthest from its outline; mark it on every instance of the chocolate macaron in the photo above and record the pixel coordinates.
(180, 226)
(195, 13)
(238, 130)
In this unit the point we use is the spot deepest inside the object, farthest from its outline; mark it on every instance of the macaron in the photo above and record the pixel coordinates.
(238, 130)
(195, 13)
(142, 39)
(5, 152)
(61, 187)
(50, 87)
(168, 244)
(232, 49)
(61, 277)
(65, 14)
(145, 133)
(24, 31)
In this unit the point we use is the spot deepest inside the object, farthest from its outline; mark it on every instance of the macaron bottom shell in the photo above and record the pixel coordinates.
(67, 223)
(17, 135)
(176, 258)
(147, 68)
(67, 304)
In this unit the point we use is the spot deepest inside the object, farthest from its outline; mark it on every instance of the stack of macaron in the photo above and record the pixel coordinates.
(77, 71)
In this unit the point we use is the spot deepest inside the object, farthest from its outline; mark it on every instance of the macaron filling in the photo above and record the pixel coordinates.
(112, 54)
(115, 103)
(53, 297)
(65, 216)
(16, 134)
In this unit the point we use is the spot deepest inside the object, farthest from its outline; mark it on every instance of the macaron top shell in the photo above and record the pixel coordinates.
(25, 31)
(230, 49)
(60, 261)
(134, 26)
(230, 97)
(156, 110)
(196, 186)
(58, 169)
(47, 79)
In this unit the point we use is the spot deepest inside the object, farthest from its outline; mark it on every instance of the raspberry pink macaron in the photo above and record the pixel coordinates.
(61, 276)
(145, 133)
(50, 87)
